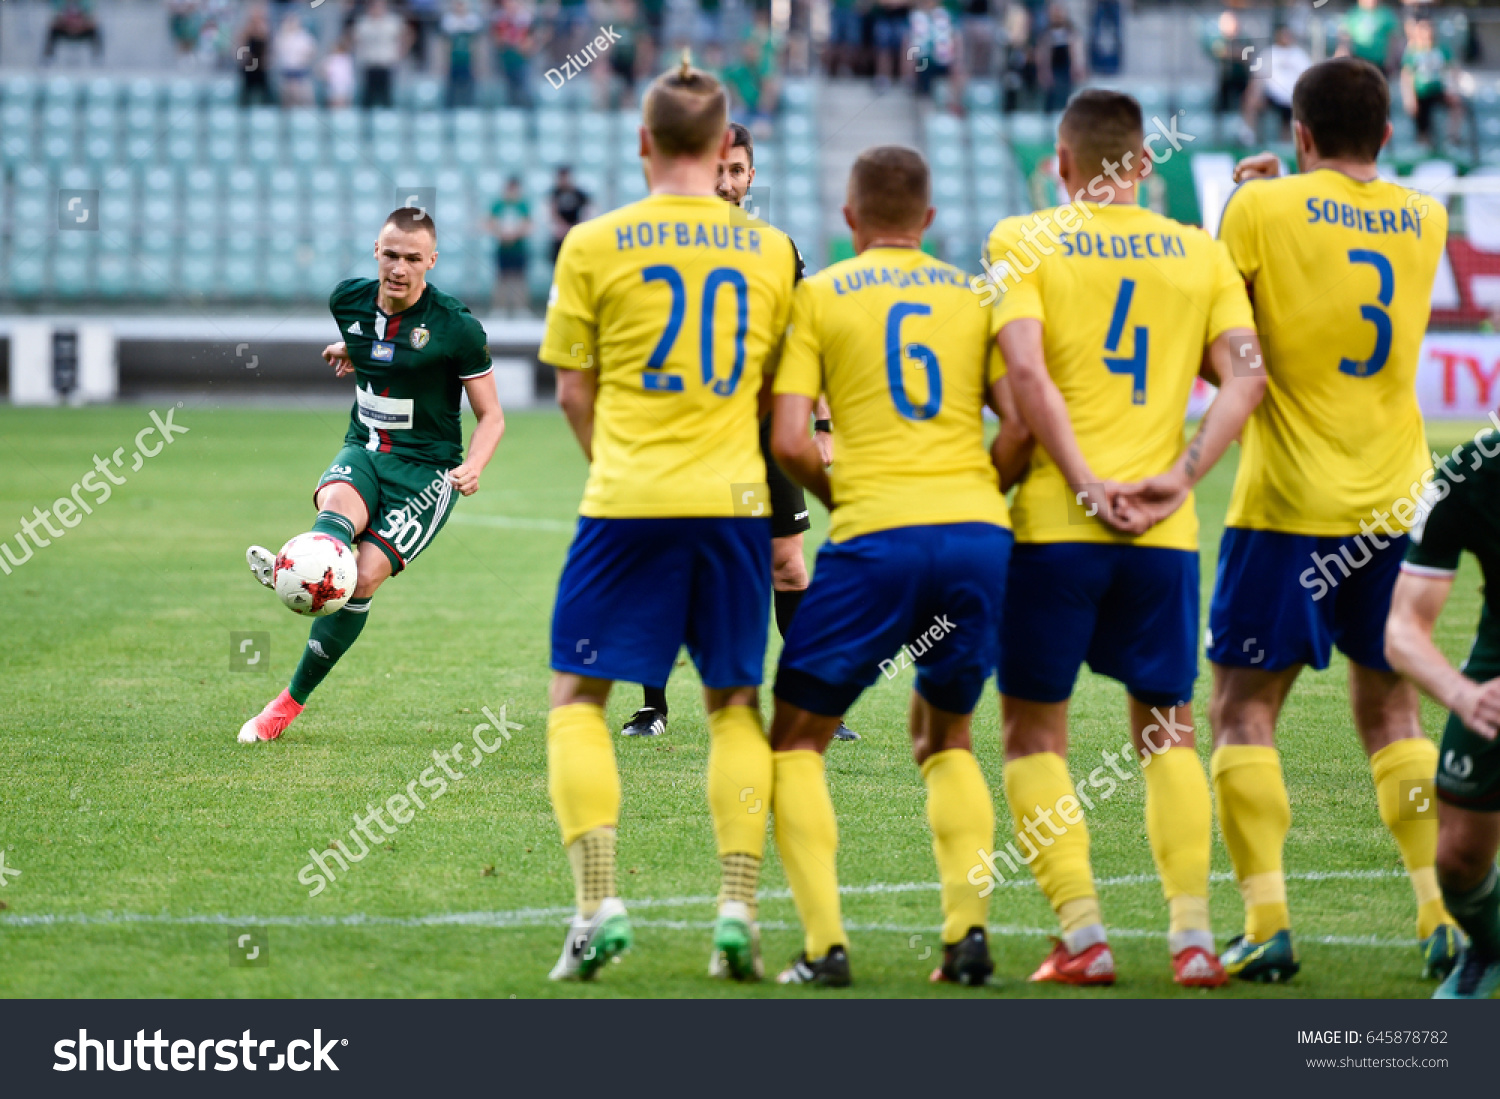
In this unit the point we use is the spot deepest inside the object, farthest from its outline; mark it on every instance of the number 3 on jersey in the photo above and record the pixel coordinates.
(654, 378)
(1135, 366)
(1375, 314)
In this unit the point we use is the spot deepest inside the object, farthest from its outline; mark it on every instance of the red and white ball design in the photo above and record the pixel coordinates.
(314, 574)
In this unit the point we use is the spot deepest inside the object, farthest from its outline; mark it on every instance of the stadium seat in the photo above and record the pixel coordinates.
(183, 98)
(60, 91)
(143, 94)
(1030, 129)
(19, 89)
(112, 271)
(102, 91)
(72, 274)
(27, 272)
(343, 137)
(1194, 98)
(387, 138)
(160, 203)
(117, 206)
(17, 145)
(223, 91)
(594, 128)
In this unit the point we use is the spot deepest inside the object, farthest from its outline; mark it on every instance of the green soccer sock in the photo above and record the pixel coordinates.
(1478, 913)
(330, 639)
(337, 526)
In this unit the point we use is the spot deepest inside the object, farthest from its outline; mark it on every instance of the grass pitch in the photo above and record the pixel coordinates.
(145, 835)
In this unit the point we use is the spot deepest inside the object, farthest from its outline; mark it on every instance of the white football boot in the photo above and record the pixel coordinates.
(592, 942)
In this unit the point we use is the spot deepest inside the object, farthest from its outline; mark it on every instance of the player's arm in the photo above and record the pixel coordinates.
(1042, 406)
(336, 355)
(1240, 393)
(487, 432)
(1011, 450)
(576, 390)
(823, 429)
(1416, 603)
(794, 449)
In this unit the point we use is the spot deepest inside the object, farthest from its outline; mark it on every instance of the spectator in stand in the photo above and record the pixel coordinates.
(1060, 57)
(510, 225)
(1426, 82)
(73, 21)
(572, 26)
(1231, 52)
(933, 49)
(752, 85)
(979, 33)
(568, 206)
(339, 74)
(627, 57)
(1372, 32)
(381, 39)
(183, 21)
(513, 32)
(846, 37)
(1020, 79)
(888, 30)
(1274, 85)
(422, 17)
(708, 28)
(461, 26)
(252, 54)
(295, 53)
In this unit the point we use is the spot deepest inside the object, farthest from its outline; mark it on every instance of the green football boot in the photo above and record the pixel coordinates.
(1441, 949)
(1473, 978)
(1271, 962)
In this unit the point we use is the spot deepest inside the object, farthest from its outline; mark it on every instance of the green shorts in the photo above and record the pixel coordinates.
(1468, 774)
(408, 502)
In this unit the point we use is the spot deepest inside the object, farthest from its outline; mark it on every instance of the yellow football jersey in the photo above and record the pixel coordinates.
(1128, 301)
(900, 345)
(676, 302)
(1341, 276)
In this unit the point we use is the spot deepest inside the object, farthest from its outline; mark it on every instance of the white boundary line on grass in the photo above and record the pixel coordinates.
(512, 522)
(551, 917)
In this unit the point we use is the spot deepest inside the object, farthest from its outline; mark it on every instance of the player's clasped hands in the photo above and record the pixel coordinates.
(1138, 506)
(336, 355)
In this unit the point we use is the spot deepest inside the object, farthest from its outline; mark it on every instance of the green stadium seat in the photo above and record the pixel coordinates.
(102, 91)
(629, 187)
(59, 148)
(17, 146)
(797, 96)
(981, 96)
(117, 206)
(344, 136)
(594, 127)
(1194, 97)
(113, 272)
(223, 91)
(143, 94)
(239, 275)
(59, 90)
(27, 273)
(160, 203)
(422, 93)
(1030, 129)
(553, 122)
(797, 128)
(19, 89)
(72, 275)
(183, 98)
(510, 122)
(197, 272)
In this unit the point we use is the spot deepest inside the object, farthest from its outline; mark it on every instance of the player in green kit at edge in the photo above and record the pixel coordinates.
(413, 350)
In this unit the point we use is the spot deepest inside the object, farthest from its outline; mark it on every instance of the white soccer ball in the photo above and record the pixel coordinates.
(314, 574)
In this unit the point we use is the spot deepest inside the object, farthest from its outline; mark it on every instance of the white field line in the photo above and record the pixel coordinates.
(551, 917)
(512, 522)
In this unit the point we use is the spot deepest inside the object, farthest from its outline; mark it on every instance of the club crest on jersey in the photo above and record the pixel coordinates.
(419, 338)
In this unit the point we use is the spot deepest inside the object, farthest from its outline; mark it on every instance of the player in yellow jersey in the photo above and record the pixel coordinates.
(914, 565)
(1103, 334)
(1340, 266)
(663, 318)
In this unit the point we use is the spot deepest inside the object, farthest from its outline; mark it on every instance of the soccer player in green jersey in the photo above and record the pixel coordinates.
(1461, 503)
(413, 350)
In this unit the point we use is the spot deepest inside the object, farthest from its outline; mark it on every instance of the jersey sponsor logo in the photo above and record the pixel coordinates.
(419, 338)
(382, 351)
(355, 330)
(384, 413)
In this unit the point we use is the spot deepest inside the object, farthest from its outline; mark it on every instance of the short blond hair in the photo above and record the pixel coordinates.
(685, 111)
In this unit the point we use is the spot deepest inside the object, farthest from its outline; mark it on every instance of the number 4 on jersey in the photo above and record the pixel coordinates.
(1135, 366)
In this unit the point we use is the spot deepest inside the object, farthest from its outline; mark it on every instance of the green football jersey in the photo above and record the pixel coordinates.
(1464, 502)
(409, 368)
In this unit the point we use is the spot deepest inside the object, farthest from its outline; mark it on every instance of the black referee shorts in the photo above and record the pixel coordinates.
(788, 503)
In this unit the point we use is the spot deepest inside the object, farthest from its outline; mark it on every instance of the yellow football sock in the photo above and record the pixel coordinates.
(1398, 769)
(963, 825)
(807, 837)
(739, 798)
(1255, 816)
(1036, 786)
(739, 779)
(592, 856)
(581, 774)
(1179, 824)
